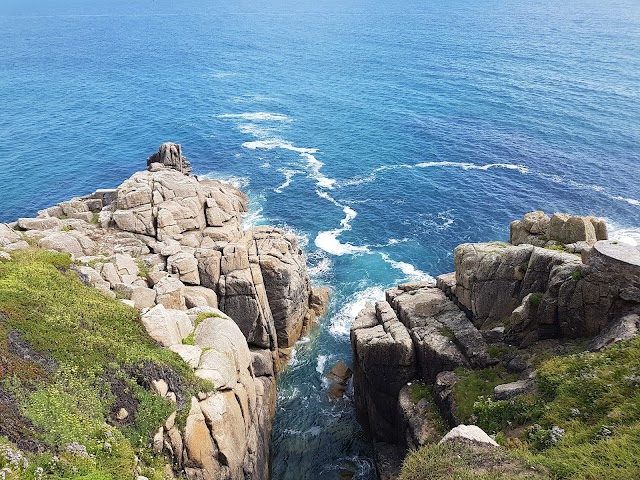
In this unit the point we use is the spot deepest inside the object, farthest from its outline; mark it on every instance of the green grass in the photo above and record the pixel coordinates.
(536, 299)
(91, 337)
(445, 332)
(498, 350)
(474, 384)
(593, 398)
(577, 275)
(523, 267)
(463, 462)
(557, 248)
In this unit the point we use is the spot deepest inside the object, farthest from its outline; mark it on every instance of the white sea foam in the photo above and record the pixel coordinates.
(341, 321)
(257, 116)
(252, 99)
(271, 143)
(628, 235)
(253, 219)
(412, 272)
(288, 177)
(224, 74)
(238, 182)
(322, 362)
(630, 201)
(256, 130)
(320, 268)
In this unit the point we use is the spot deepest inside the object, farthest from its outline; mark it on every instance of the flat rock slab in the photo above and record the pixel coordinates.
(617, 252)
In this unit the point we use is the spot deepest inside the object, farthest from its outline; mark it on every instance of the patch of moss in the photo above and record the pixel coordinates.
(558, 248)
(523, 267)
(445, 332)
(577, 275)
(536, 299)
(498, 350)
(143, 268)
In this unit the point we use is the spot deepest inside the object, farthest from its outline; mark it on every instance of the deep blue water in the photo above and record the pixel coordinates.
(384, 133)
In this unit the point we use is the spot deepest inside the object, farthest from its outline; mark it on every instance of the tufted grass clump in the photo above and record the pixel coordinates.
(77, 340)
(536, 299)
(473, 385)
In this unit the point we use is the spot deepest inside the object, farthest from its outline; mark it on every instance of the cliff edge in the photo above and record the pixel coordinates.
(434, 351)
(229, 301)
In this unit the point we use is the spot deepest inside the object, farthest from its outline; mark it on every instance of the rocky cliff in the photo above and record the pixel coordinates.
(231, 302)
(501, 297)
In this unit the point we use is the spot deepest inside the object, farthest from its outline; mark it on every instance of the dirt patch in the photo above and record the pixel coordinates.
(125, 398)
(22, 349)
(144, 374)
(16, 427)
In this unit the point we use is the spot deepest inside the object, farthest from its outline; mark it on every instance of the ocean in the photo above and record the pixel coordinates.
(382, 133)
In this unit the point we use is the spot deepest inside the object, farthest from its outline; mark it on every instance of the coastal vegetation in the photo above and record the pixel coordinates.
(71, 358)
(582, 422)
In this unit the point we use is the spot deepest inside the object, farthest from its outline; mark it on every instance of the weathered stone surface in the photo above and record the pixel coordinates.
(89, 276)
(319, 300)
(209, 267)
(199, 446)
(488, 277)
(200, 297)
(443, 396)
(513, 389)
(223, 334)
(389, 458)
(185, 265)
(71, 242)
(443, 336)
(39, 223)
(142, 297)
(536, 228)
(338, 377)
(469, 433)
(219, 368)
(622, 329)
(167, 327)
(286, 282)
(189, 353)
(384, 361)
(170, 155)
(170, 293)
(262, 362)
(8, 235)
(415, 420)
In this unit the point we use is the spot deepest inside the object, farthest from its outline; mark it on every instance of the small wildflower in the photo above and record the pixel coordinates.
(556, 434)
(575, 412)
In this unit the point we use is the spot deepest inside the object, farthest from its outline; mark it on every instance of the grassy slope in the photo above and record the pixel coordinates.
(584, 422)
(95, 342)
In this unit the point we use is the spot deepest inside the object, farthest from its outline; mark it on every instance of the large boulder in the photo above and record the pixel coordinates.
(165, 326)
(284, 274)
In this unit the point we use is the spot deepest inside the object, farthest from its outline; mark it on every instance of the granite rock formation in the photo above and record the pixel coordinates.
(231, 302)
(580, 286)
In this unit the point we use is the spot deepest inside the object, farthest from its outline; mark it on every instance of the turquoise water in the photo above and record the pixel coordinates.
(383, 133)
